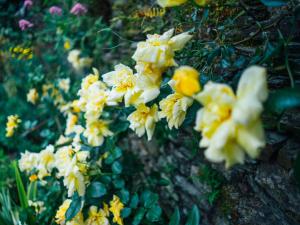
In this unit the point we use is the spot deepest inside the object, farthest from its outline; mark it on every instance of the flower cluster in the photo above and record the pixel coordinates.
(32, 96)
(12, 124)
(172, 3)
(78, 62)
(96, 216)
(20, 52)
(231, 124)
(78, 9)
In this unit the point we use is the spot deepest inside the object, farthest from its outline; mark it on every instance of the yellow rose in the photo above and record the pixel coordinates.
(32, 96)
(201, 2)
(12, 124)
(143, 120)
(174, 108)
(186, 81)
(170, 3)
(231, 124)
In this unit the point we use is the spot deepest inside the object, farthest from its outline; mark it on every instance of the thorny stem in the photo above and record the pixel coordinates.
(34, 128)
(286, 59)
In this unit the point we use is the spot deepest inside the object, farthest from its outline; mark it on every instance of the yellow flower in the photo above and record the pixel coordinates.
(64, 84)
(60, 214)
(93, 96)
(33, 177)
(96, 217)
(74, 179)
(186, 81)
(90, 79)
(148, 82)
(12, 124)
(75, 106)
(170, 3)
(201, 2)
(71, 122)
(159, 49)
(46, 161)
(63, 157)
(67, 45)
(60, 217)
(28, 161)
(116, 207)
(123, 83)
(174, 109)
(143, 120)
(96, 131)
(79, 62)
(231, 124)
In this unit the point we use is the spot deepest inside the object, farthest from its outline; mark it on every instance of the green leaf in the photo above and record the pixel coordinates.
(20, 186)
(113, 155)
(175, 218)
(151, 200)
(74, 207)
(284, 99)
(134, 201)
(145, 195)
(32, 190)
(274, 3)
(154, 213)
(138, 216)
(194, 216)
(96, 190)
(125, 212)
(119, 183)
(117, 167)
(124, 196)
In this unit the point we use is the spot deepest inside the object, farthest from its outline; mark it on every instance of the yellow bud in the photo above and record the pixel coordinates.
(67, 45)
(201, 2)
(75, 106)
(33, 178)
(186, 81)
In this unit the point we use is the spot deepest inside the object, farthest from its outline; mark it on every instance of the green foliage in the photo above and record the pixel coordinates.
(282, 100)
(74, 207)
(274, 3)
(175, 218)
(214, 180)
(20, 186)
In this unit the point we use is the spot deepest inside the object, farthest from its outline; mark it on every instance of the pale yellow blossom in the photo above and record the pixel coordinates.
(71, 122)
(174, 108)
(231, 124)
(46, 161)
(96, 217)
(78, 62)
(74, 179)
(28, 161)
(32, 96)
(96, 131)
(143, 120)
(170, 3)
(123, 83)
(116, 207)
(60, 217)
(64, 84)
(160, 49)
(12, 124)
